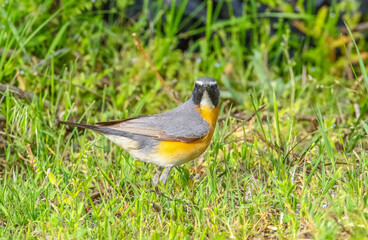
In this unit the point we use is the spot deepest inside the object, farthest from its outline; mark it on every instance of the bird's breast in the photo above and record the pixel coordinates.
(209, 114)
(174, 153)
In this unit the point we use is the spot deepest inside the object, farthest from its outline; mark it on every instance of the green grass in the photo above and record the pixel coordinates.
(296, 170)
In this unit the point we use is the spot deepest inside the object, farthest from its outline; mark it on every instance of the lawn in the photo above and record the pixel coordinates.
(289, 156)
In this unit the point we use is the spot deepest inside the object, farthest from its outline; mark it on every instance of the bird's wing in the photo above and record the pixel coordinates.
(182, 124)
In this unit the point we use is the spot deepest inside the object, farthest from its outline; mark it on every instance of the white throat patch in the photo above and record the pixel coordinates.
(206, 100)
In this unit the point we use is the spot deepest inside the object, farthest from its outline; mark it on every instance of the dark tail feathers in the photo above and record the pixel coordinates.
(71, 124)
(99, 129)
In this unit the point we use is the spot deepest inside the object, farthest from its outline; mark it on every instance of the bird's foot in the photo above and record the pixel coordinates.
(157, 175)
(165, 175)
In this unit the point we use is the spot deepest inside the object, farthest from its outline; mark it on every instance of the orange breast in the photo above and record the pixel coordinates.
(176, 153)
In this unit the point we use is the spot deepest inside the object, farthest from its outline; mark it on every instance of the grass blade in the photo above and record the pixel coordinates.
(361, 63)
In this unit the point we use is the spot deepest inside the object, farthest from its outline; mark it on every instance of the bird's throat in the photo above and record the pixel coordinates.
(209, 114)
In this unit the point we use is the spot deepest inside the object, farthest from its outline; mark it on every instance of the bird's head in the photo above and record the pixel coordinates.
(206, 92)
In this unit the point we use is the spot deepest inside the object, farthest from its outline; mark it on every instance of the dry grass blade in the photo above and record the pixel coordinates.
(278, 150)
(21, 94)
(153, 68)
(11, 84)
(7, 134)
(9, 52)
(261, 108)
(360, 27)
(244, 117)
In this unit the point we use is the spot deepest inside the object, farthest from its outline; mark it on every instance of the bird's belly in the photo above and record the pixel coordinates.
(125, 143)
(175, 153)
(166, 153)
(143, 153)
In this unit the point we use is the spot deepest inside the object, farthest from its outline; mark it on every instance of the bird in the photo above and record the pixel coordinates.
(167, 139)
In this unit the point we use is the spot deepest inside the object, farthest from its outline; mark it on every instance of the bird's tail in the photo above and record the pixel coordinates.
(71, 124)
(100, 129)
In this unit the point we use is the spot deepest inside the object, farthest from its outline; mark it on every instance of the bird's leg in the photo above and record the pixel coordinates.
(157, 175)
(165, 175)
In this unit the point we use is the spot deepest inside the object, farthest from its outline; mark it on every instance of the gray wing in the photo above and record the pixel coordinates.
(182, 124)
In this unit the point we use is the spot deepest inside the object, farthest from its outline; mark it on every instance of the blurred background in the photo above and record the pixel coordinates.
(248, 46)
